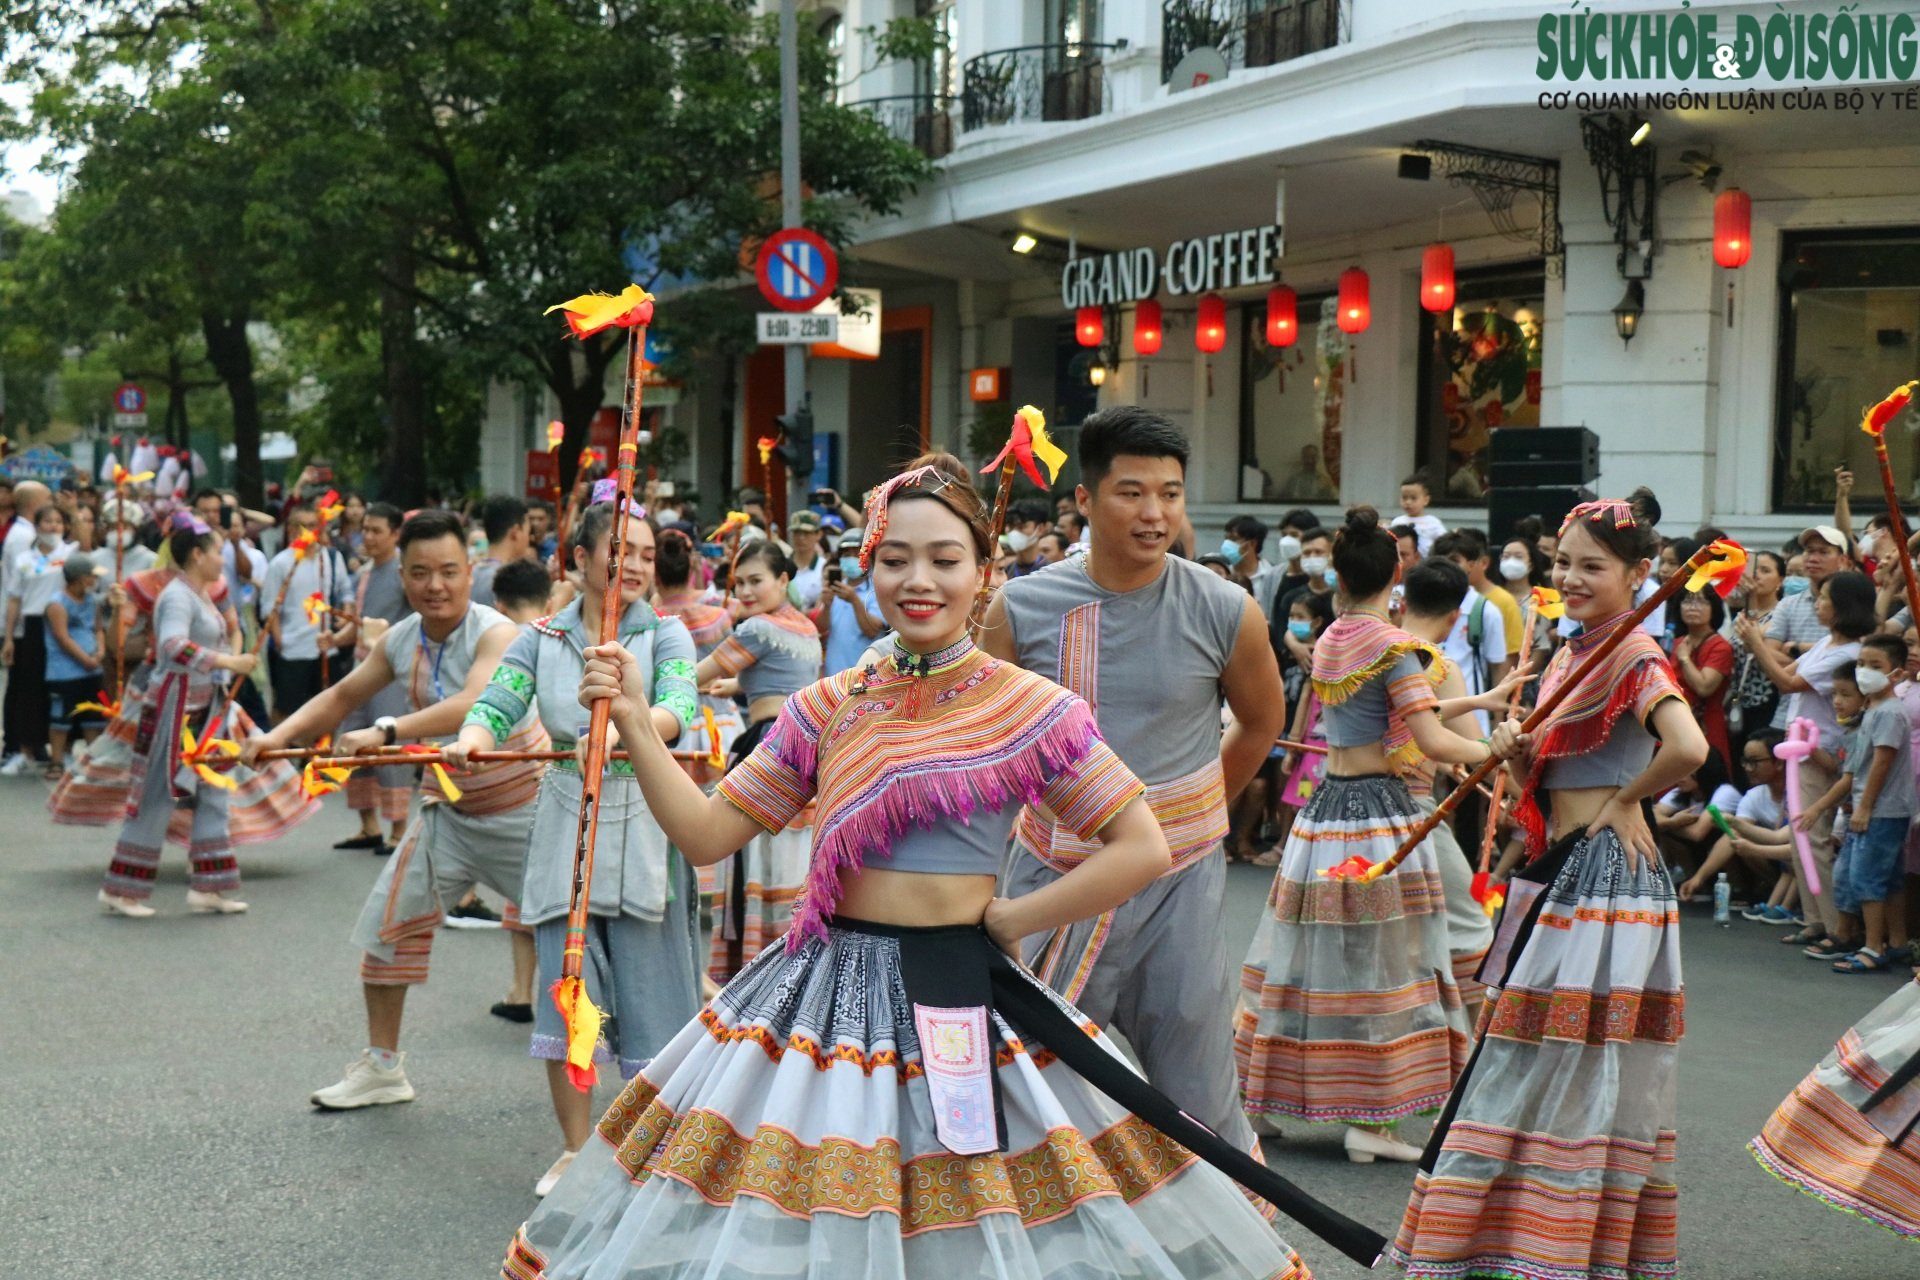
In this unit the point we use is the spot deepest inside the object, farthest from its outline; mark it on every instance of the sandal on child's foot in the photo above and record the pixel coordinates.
(1865, 960)
(1829, 949)
(1806, 936)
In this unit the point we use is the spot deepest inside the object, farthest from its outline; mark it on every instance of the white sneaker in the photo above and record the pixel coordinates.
(114, 905)
(551, 1178)
(365, 1085)
(15, 764)
(213, 904)
(1364, 1144)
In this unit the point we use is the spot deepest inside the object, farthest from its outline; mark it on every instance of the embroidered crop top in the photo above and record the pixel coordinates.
(926, 771)
(1366, 671)
(1590, 739)
(774, 654)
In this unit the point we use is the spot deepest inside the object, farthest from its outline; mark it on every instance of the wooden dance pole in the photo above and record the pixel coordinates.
(588, 315)
(1027, 443)
(1874, 423)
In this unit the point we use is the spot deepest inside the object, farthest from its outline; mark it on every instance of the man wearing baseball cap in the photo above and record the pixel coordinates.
(804, 532)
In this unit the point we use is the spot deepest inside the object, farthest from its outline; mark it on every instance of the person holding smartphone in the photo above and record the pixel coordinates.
(850, 619)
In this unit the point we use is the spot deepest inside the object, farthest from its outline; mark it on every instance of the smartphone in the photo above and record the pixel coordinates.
(832, 576)
(713, 550)
(663, 489)
(822, 498)
(226, 516)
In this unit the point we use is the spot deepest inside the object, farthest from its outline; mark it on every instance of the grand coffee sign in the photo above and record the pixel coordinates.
(1202, 264)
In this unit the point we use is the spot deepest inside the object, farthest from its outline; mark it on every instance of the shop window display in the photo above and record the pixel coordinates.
(1290, 407)
(1849, 333)
(1480, 372)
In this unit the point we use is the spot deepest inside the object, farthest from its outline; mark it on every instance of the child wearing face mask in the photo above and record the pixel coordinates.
(1877, 784)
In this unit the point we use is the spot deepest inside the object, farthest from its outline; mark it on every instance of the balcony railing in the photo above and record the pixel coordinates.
(922, 120)
(1034, 82)
(1248, 33)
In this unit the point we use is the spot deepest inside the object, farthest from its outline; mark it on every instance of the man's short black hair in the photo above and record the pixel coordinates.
(499, 513)
(205, 491)
(1299, 518)
(1470, 543)
(1435, 587)
(1308, 535)
(1029, 511)
(1249, 529)
(1128, 430)
(521, 582)
(425, 526)
(393, 515)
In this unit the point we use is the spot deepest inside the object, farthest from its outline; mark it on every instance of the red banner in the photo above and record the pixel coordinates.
(543, 474)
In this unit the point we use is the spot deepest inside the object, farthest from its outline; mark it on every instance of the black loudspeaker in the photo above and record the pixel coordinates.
(1548, 502)
(1521, 457)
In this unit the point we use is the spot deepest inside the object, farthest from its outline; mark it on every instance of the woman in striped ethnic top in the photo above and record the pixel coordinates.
(1554, 1157)
(857, 1097)
(773, 652)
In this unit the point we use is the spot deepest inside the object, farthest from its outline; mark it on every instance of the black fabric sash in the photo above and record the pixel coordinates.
(960, 966)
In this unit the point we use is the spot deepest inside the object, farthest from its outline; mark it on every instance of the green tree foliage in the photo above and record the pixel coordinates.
(425, 177)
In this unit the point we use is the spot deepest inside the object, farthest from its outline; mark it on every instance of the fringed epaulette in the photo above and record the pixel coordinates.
(1001, 735)
(1357, 649)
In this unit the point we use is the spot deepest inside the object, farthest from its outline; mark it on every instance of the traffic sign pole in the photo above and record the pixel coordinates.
(796, 367)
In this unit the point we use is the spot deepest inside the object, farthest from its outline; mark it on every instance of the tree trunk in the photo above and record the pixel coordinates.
(231, 355)
(404, 459)
(580, 387)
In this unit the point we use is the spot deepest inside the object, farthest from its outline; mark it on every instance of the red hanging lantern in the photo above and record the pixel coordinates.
(1356, 310)
(1436, 278)
(1089, 327)
(1210, 326)
(1148, 328)
(1283, 316)
(1732, 227)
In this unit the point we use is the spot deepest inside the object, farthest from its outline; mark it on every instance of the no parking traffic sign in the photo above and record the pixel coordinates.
(797, 270)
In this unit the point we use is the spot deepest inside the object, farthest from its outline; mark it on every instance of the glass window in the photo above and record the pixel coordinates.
(1479, 371)
(1290, 402)
(1850, 313)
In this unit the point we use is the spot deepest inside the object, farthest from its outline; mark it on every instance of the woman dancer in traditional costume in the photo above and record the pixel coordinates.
(857, 1100)
(1554, 1158)
(642, 961)
(267, 803)
(774, 652)
(710, 625)
(1847, 1133)
(1350, 1013)
(189, 648)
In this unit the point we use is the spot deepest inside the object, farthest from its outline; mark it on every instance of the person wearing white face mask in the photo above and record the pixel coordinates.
(1026, 520)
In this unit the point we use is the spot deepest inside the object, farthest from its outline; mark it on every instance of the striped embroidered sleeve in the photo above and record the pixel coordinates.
(673, 659)
(1409, 689)
(1090, 793)
(742, 649)
(1653, 681)
(776, 782)
(509, 694)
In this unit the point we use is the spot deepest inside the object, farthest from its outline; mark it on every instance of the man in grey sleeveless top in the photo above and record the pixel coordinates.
(442, 657)
(1153, 643)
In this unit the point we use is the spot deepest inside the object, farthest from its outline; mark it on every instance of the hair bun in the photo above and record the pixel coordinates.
(1361, 521)
(1646, 507)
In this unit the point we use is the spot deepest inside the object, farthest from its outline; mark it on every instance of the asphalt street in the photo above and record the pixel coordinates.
(155, 1079)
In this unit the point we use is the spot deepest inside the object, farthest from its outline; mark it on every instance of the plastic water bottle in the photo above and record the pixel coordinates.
(1722, 901)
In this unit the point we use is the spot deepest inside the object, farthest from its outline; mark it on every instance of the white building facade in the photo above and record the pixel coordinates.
(1233, 146)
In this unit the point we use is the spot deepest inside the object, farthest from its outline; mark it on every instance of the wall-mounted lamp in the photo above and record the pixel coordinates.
(1023, 244)
(1627, 311)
